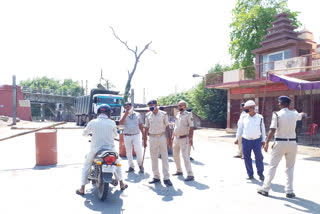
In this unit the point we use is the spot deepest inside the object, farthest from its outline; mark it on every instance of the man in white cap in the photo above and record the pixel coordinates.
(252, 130)
(283, 126)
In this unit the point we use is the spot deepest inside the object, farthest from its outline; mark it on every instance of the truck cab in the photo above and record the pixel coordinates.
(114, 101)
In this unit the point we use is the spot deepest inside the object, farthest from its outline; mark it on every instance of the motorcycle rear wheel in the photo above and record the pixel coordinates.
(102, 188)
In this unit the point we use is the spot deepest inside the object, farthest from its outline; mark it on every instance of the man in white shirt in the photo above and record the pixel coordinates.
(103, 131)
(252, 130)
(133, 124)
(283, 126)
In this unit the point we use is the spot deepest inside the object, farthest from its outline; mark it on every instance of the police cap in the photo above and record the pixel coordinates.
(284, 99)
(152, 102)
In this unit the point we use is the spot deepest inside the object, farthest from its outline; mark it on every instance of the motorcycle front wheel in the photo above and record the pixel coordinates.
(102, 188)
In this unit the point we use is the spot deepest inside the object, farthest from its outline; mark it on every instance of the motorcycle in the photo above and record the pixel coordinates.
(102, 172)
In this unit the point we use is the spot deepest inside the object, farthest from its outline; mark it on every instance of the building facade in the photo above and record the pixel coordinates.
(283, 52)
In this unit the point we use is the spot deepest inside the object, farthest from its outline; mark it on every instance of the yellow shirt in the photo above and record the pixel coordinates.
(157, 123)
(183, 123)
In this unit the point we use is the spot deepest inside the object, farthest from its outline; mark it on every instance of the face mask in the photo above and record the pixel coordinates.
(247, 110)
(151, 108)
(181, 109)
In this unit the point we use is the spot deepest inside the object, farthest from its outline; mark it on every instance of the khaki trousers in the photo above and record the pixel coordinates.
(159, 145)
(289, 150)
(183, 146)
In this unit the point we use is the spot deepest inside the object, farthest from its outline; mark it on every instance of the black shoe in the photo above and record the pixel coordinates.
(261, 177)
(167, 182)
(130, 169)
(141, 169)
(177, 174)
(191, 159)
(189, 178)
(250, 177)
(237, 156)
(290, 195)
(262, 192)
(155, 180)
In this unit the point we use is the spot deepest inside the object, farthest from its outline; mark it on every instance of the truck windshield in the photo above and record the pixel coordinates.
(116, 110)
(109, 100)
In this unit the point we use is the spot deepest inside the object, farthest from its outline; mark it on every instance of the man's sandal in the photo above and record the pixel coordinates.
(124, 187)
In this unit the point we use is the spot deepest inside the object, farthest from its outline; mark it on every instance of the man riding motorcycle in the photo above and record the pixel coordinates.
(103, 131)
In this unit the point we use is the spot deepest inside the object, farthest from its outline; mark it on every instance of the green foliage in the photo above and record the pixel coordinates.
(175, 98)
(209, 104)
(251, 19)
(67, 86)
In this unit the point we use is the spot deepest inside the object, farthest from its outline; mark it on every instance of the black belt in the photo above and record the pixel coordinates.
(286, 139)
(130, 134)
(182, 136)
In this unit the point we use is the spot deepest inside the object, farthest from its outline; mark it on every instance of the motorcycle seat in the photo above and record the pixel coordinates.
(103, 153)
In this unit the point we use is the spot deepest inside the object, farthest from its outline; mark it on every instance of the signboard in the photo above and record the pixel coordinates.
(24, 103)
(242, 90)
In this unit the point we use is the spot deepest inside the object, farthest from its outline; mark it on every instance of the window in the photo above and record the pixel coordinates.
(109, 100)
(269, 59)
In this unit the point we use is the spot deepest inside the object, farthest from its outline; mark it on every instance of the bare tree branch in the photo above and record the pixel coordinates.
(125, 43)
(137, 57)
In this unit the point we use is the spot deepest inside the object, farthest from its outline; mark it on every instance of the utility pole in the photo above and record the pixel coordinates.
(14, 96)
(132, 97)
(86, 87)
(144, 95)
(82, 90)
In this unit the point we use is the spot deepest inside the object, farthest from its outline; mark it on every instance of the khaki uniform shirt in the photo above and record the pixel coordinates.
(183, 123)
(157, 123)
(285, 123)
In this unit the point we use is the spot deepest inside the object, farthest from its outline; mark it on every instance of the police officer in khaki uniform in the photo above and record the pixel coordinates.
(182, 138)
(283, 126)
(156, 124)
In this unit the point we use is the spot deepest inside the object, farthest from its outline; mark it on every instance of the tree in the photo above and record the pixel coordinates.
(137, 56)
(250, 21)
(209, 104)
(175, 98)
(45, 84)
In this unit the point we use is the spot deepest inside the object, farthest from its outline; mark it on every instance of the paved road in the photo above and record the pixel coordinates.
(220, 185)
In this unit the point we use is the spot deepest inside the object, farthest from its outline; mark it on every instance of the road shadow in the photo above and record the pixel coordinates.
(167, 193)
(274, 187)
(222, 136)
(254, 181)
(195, 184)
(264, 163)
(37, 167)
(312, 158)
(136, 178)
(296, 204)
(112, 205)
(195, 162)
